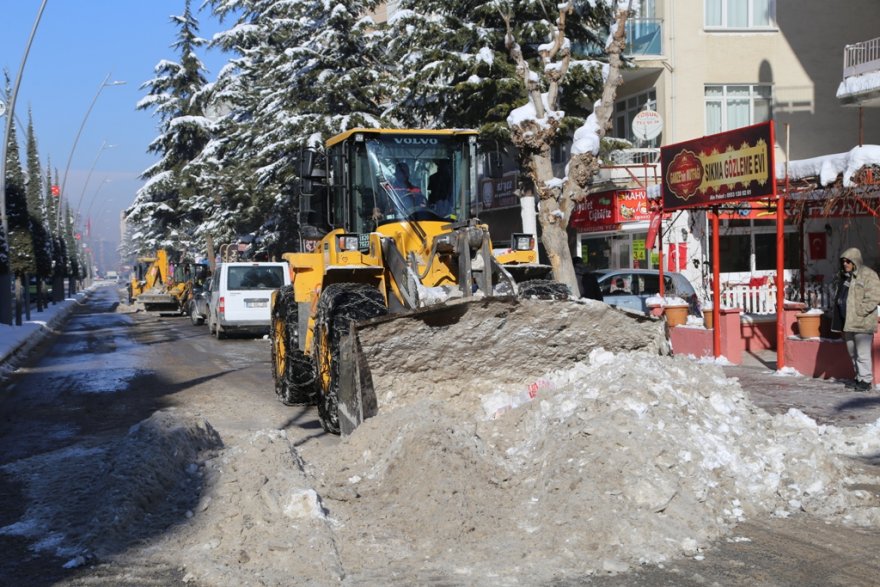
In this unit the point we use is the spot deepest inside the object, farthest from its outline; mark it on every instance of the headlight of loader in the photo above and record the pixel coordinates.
(353, 242)
(522, 242)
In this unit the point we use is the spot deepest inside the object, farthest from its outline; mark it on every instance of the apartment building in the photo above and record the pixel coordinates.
(707, 66)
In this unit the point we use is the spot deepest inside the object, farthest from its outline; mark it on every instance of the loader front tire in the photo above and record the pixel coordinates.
(544, 289)
(340, 304)
(294, 371)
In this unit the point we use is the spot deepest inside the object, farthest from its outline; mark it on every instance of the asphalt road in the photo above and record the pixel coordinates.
(108, 370)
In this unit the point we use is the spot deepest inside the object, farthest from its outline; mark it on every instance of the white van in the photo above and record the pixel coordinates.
(240, 297)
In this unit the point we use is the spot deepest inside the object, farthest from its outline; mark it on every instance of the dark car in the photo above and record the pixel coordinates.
(630, 288)
(198, 306)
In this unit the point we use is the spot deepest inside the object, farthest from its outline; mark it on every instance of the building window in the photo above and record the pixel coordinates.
(751, 246)
(735, 106)
(740, 14)
(626, 109)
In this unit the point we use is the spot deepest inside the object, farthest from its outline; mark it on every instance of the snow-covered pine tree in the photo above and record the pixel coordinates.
(303, 72)
(59, 247)
(21, 245)
(454, 70)
(163, 214)
(36, 206)
(74, 269)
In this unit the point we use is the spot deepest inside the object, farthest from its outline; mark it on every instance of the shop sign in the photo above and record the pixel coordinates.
(632, 205)
(594, 213)
(499, 192)
(608, 210)
(721, 168)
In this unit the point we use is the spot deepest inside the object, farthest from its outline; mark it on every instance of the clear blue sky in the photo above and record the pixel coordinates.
(77, 44)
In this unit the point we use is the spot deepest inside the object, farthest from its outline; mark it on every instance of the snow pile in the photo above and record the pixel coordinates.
(829, 167)
(260, 517)
(88, 501)
(607, 467)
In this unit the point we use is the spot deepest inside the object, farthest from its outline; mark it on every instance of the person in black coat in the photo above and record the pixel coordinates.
(587, 281)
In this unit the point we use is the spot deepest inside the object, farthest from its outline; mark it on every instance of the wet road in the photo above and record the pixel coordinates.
(82, 391)
(106, 371)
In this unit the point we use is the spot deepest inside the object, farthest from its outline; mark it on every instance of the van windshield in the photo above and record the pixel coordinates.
(255, 277)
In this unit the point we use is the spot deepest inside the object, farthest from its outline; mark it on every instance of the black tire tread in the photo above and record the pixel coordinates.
(296, 386)
(339, 305)
(544, 289)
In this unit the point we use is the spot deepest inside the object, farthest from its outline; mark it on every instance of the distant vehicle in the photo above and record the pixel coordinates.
(112, 275)
(240, 297)
(630, 289)
(199, 304)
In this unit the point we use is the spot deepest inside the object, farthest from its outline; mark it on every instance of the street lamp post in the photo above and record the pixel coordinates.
(104, 83)
(6, 278)
(104, 147)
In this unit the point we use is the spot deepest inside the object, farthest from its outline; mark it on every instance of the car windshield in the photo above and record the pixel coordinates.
(396, 177)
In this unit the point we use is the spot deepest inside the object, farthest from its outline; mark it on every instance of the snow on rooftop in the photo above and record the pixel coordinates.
(859, 84)
(829, 167)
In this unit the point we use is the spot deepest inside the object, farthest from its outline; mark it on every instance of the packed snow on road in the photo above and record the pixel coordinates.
(616, 460)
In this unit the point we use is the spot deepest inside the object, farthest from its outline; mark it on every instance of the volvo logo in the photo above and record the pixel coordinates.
(415, 141)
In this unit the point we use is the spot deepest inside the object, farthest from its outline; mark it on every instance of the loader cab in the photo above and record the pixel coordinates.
(377, 177)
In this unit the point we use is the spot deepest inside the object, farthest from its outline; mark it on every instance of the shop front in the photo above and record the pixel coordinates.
(612, 228)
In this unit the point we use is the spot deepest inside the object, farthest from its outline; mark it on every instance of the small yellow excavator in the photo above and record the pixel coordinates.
(162, 287)
(387, 230)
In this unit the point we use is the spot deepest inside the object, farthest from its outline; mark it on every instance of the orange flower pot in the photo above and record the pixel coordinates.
(808, 325)
(675, 315)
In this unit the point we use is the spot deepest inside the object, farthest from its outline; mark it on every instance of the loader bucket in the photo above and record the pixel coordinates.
(473, 346)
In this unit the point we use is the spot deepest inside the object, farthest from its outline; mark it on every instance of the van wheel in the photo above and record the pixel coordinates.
(340, 304)
(293, 370)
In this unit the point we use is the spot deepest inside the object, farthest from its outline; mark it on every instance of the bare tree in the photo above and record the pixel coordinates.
(534, 135)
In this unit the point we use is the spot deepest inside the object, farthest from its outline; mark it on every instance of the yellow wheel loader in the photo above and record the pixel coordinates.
(387, 228)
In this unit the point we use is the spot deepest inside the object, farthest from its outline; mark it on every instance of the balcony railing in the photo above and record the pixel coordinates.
(861, 58)
(644, 36)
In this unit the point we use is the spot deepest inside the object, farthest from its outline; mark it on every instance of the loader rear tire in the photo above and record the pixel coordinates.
(340, 305)
(293, 371)
(544, 289)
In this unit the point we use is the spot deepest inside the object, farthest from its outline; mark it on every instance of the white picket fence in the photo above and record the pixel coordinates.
(761, 299)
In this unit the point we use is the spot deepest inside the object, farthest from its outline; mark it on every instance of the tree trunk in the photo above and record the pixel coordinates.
(18, 303)
(533, 143)
(26, 286)
(40, 301)
(58, 288)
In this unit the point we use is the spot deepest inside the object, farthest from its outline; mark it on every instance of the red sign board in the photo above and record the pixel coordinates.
(726, 167)
(606, 210)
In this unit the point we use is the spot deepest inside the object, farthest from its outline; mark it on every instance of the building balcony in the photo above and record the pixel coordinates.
(861, 75)
(644, 37)
(630, 167)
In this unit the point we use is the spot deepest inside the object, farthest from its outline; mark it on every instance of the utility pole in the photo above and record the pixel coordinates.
(6, 278)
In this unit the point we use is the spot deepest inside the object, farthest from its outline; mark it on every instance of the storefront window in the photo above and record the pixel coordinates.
(756, 251)
(618, 251)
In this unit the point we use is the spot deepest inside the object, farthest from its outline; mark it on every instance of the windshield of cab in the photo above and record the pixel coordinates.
(398, 177)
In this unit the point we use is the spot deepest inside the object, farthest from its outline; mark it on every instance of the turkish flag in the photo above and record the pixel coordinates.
(818, 249)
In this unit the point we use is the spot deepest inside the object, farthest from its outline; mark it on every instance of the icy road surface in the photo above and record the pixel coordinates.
(136, 449)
